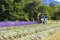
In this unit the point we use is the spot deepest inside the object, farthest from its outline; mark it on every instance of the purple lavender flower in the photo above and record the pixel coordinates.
(16, 23)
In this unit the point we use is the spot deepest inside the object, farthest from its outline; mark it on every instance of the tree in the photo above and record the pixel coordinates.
(25, 10)
(56, 14)
(51, 5)
(32, 8)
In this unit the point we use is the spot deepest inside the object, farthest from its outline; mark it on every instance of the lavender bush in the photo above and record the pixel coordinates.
(16, 23)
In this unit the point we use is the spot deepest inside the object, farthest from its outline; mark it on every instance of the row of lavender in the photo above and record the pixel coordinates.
(16, 23)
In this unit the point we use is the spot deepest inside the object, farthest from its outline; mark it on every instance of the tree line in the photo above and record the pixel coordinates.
(27, 10)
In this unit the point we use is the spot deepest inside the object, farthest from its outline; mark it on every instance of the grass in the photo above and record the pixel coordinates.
(50, 31)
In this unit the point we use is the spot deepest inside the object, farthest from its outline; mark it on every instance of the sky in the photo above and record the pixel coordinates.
(57, 0)
(53, 1)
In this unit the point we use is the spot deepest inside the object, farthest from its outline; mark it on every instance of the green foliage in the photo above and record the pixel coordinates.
(12, 10)
(56, 14)
(51, 5)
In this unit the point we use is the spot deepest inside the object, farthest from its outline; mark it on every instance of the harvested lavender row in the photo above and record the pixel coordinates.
(45, 35)
(17, 33)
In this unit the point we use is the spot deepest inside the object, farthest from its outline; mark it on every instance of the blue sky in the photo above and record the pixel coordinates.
(54, 1)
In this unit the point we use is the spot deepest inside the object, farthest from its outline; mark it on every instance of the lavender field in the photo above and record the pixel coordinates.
(29, 19)
(49, 31)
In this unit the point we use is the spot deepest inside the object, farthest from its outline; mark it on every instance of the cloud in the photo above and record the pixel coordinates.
(57, 0)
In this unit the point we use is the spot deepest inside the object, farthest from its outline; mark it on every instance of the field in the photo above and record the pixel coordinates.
(50, 31)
